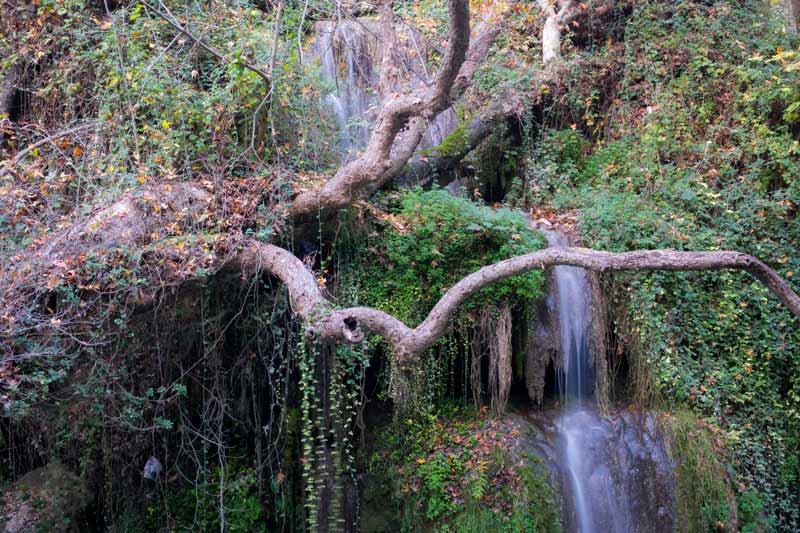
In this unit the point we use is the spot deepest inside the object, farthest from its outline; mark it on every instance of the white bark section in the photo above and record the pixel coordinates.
(559, 13)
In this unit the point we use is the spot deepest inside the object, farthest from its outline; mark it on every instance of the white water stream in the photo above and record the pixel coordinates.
(349, 55)
(571, 289)
(591, 446)
(586, 438)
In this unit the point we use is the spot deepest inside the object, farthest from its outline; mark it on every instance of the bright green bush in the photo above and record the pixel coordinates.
(443, 239)
(701, 152)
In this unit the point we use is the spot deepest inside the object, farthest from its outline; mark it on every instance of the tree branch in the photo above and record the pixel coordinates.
(8, 165)
(381, 161)
(443, 158)
(167, 17)
(345, 325)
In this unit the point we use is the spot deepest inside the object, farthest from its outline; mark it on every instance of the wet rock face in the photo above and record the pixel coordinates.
(616, 473)
(50, 498)
(646, 471)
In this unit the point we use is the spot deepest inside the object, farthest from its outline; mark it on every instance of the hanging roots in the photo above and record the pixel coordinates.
(476, 355)
(500, 359)
(541, 348)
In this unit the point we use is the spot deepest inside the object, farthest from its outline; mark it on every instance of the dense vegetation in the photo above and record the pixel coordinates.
(711, 162)
(665, 125)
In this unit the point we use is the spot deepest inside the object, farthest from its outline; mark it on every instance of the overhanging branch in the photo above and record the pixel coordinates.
(402, 116)
(345, 325)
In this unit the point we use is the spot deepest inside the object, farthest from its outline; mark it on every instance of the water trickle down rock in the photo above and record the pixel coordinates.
(619, 476)
(616, 475)
(350, 53)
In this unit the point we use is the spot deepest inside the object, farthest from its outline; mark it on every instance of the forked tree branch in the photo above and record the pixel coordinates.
(402, 116)
(400, 126)
(346, 325)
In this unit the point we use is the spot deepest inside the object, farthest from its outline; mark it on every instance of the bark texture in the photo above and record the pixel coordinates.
(137, 216)
(8, 90)
(346, 325)
(558, 14)
(401, 121)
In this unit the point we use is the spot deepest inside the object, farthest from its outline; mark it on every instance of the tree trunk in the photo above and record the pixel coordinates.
(551, 39)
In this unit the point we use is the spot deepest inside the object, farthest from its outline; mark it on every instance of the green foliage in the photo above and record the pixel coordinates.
(179, 101)
(463, 474)
(445, 238)
(751, 512)
(202, 506)
(701, 493)
(700, 152)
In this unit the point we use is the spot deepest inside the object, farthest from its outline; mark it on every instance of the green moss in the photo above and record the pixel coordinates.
(701, 492)
(454, 144)
(444, 238)
(540, 496)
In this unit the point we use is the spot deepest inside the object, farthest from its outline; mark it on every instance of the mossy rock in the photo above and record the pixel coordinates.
(50, 498)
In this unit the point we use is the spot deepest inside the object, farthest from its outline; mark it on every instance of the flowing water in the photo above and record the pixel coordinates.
(575, 378)
(349, 53)
(616, 474)
(346, 56)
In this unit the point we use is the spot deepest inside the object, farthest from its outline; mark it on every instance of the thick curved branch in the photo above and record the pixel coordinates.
(345, 325)
(436, 323)
(381, 161)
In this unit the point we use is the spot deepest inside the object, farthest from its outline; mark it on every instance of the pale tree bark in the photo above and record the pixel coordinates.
(345, 325)
(402, 116)
(8, 92)
(558, 14)
(790, 11)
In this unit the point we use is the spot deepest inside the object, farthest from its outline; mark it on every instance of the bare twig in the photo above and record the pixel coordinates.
(8, 165)
(169, 19)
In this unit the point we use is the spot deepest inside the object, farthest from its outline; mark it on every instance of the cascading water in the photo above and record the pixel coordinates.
(349, 51)
(571, 289)
(616, 474)
(346, 58)
(574, 377)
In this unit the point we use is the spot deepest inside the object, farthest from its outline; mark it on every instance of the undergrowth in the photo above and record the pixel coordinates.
(699, 150)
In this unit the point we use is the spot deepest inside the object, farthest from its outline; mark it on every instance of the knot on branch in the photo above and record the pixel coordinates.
(338, 327)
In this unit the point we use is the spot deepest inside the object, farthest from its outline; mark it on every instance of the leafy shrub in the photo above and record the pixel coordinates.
(443, 239)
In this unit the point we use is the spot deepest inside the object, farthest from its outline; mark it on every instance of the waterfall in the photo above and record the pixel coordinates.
(349, 53)
(570, 300)
(571, 290)
(616, 473)
(346, 53)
